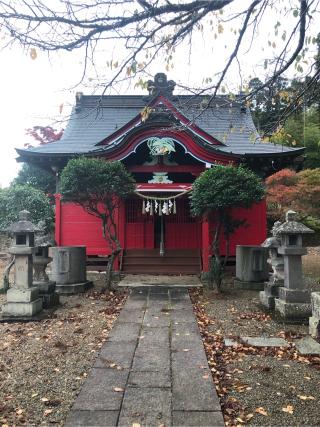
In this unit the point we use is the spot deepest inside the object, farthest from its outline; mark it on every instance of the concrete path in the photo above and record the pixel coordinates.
(152, 371)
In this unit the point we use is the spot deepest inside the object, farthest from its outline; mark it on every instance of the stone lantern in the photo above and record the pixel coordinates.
(22, 298)
(294, 300)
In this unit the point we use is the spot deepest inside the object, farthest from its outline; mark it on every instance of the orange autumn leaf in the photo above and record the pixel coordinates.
(261, 411)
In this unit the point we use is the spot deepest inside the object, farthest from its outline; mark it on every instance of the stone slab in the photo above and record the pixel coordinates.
(92, 419)
(264, 341)
(183, 316)
(155, 318)
(116, 352)
(150, 379)
(124, 332)
(308, 345)
(129, 315)
(98, 394)
(230, 342)
(193, 390)
(156, 358)
(134, 303)
(151, 337)
(146, 406)
(181, 304)
(197, 419)
(193, 358)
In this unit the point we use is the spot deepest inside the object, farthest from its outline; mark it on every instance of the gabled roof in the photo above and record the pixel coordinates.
(96, 121)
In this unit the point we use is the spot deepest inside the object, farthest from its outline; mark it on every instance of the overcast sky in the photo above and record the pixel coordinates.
(32, 90)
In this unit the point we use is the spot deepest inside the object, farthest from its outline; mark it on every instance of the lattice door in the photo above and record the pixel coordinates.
(139, 226)
(182, 231)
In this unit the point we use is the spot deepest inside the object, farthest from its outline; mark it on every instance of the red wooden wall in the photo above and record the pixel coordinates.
(74, 227)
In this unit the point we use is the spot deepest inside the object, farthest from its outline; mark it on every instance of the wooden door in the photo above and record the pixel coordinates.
(139, 228)
(182, 231)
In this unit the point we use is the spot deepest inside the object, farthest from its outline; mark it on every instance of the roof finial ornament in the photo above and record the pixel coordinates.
(161, 86)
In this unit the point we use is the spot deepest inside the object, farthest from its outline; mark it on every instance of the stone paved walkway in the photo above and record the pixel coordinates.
(164, 381)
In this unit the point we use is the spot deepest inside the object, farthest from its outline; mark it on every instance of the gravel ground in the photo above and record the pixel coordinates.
(262, 387)
(43, 364)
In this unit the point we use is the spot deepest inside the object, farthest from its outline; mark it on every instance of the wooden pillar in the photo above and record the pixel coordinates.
(205, 244)
(57, 233)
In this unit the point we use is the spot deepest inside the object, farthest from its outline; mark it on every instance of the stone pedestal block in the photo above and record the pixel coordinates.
(21, 309)
(295, 295)
(292, 311)
(69, 269)
(47, 292)
(22, 295)
(270, 293)
(251, 264)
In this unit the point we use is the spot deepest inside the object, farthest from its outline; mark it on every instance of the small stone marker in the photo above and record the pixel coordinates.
(294, 301)
(308, 345)
(22, 299)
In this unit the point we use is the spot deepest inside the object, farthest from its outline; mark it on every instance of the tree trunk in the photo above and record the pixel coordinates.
(109, 269)
(216, 270)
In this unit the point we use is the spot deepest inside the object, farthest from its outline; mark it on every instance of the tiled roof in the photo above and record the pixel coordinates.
(95, 118)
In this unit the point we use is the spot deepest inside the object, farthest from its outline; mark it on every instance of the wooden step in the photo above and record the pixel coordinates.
(156, 269)
(160, 261)
(149, 261)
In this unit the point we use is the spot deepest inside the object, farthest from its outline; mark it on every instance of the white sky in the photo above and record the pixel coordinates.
(32, 90)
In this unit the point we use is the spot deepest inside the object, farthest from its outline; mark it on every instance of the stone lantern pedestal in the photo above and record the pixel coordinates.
(22, 299)
(294, 301)
(41, 280)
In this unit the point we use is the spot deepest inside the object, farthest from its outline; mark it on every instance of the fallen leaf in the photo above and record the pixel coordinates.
(288, 409)
(44, 399)
(47, 412)
(136, 425)
(118, 389)
(306, 397)
(261, 411)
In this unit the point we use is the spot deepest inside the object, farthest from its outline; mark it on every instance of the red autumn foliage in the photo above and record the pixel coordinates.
(300, 191)
(44, 134)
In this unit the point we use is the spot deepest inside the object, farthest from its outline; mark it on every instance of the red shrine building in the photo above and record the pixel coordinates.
(165, 141)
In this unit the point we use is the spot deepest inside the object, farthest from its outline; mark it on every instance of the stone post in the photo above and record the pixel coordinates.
(276, 278)
(314, 321)
(22, 299)
(294, 300)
